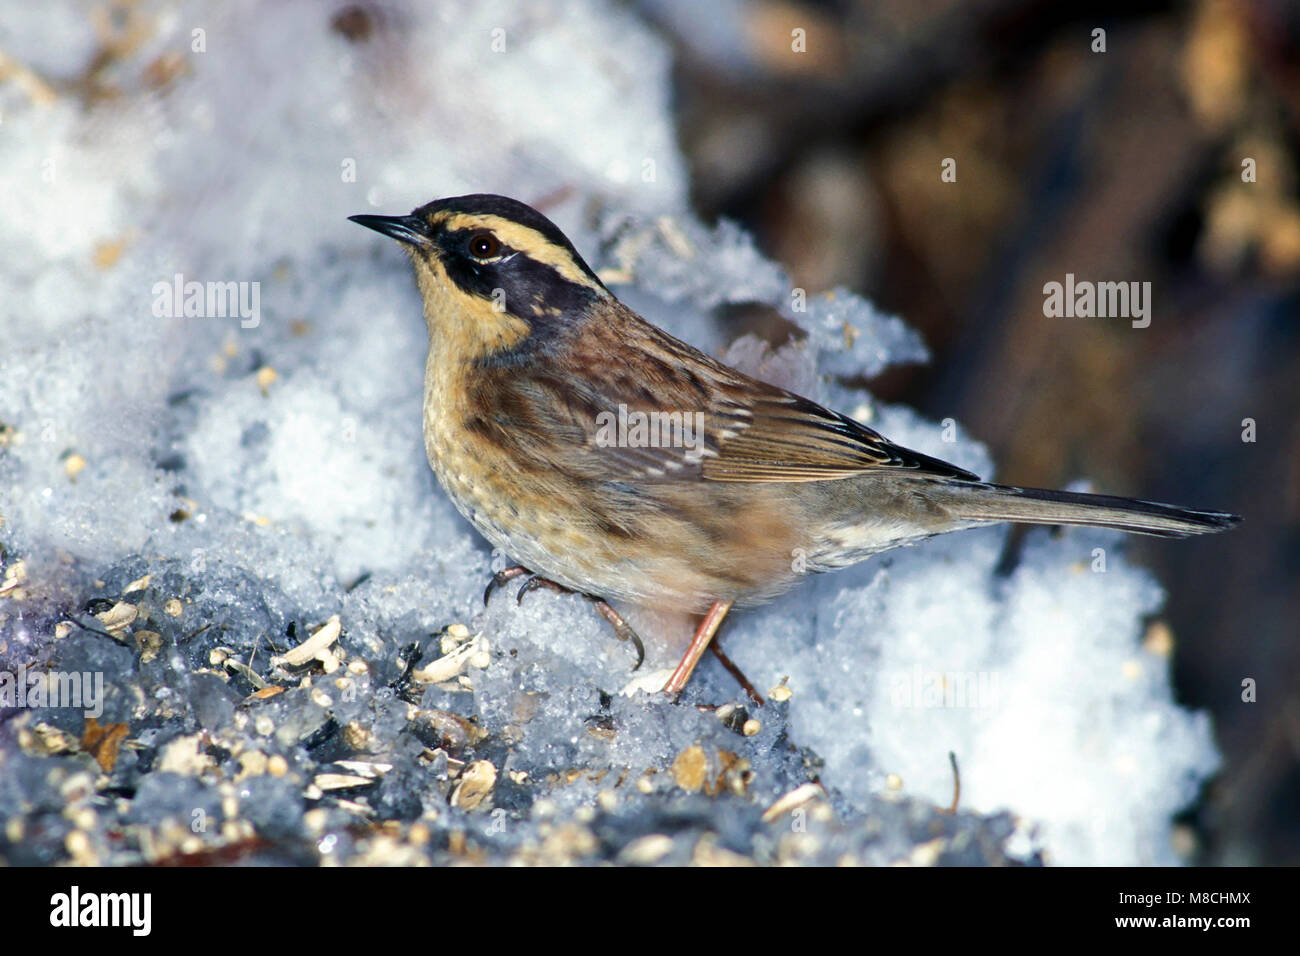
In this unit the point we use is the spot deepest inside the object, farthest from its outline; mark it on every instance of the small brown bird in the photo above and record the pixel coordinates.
(613, 460)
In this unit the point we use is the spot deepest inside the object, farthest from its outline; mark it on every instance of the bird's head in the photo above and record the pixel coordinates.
(492, 271)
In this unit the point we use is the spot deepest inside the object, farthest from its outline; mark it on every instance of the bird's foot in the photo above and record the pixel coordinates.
(502, 578)
(622, 630)
(699, 644)
(730, 666)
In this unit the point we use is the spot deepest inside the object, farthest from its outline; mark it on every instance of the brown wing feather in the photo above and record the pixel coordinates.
(752, 431)
(793, 439)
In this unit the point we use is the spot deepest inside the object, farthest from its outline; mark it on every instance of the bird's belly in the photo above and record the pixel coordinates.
(553, 533)
(542, 530)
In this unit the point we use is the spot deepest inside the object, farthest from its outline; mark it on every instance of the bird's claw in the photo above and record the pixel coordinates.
(622, 630)
(535, 582)
(500, 579)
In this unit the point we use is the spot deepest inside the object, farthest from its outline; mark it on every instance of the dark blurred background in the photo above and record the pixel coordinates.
(1117, 166)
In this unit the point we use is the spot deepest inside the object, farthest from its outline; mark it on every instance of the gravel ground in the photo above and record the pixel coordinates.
(219, 745)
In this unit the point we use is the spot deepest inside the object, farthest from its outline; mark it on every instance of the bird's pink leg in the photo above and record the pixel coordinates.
(699, 644)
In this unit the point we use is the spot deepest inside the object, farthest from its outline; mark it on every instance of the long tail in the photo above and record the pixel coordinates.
(988, 502)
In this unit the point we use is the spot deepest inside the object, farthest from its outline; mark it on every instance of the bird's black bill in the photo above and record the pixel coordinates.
(409, 229)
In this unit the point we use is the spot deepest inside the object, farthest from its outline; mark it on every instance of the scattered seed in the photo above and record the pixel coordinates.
(689, 769)
(139, 584)
(252, 763)
(359, 739)
(475, 786)
(314, 648)
(364, 768)
(15, 577)
(780, 693)
(647, 850)
(117, 618)
(341, 781)
(927, 854)
(185, 756)
(448, 667)
(103, 741)
(250, 675)
(149, 644)
(77, 843)
(793, 800)
(675, 238)
(1159, 639)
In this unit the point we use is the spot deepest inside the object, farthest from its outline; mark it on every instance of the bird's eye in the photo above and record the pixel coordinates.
(484, 245)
